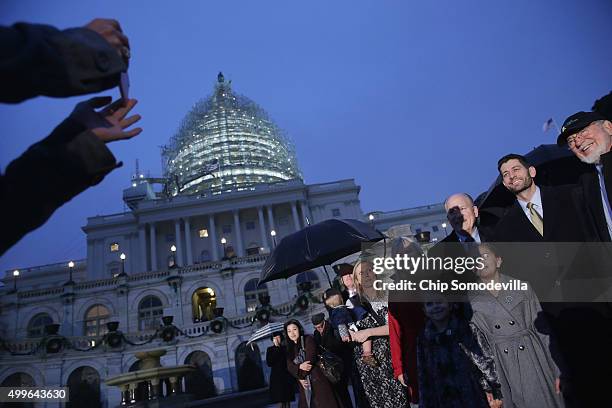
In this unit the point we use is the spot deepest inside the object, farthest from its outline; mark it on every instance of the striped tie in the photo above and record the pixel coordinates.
(536, 219)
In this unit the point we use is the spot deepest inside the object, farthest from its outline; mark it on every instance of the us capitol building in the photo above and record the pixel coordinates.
(189, 250)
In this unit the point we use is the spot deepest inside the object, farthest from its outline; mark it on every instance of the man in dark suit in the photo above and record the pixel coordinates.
(462, 214)
(540, 219)
(589, 137)
(541, 215)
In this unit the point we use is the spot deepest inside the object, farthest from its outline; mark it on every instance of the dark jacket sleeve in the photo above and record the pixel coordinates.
(47, 175)
(274, 355)
(42, 60)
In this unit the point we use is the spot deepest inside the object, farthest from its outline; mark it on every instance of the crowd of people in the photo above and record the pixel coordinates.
(487, 348)
(495, 348)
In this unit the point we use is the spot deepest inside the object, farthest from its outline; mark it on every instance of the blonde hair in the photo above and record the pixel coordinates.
(357, 279)
(334, 301)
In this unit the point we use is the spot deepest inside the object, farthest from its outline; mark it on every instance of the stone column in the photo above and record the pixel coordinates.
(179, 244)
(188, 241)
(238, 234)
(142, 240)
(153, 235)
(262, 228)
(213, 237)
(296, 219)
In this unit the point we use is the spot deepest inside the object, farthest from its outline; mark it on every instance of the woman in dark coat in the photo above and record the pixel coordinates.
(302, 364)
(282, 384)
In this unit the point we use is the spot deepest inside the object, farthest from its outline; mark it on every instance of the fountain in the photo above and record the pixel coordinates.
(153, 376)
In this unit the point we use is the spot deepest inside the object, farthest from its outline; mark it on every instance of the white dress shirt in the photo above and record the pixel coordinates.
(604, 198)
(536, 200)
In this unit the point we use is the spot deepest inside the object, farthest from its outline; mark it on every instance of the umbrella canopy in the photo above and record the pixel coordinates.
(555, 166)
(266, 331)
(317, 245)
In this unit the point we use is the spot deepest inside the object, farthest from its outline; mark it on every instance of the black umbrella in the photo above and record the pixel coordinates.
(317, 245)
(555, 166)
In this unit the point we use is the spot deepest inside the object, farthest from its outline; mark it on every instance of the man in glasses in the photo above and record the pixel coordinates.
(589, 137)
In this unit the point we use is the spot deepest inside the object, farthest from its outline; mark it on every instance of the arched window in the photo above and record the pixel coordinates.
(36, 327)
(84, 388)
(150, 311)
(308, 276)
(203, 304)
(252, 292)
(200, 382)
(95, 321)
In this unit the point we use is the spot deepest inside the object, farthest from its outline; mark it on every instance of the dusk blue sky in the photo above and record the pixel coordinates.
(413, 99)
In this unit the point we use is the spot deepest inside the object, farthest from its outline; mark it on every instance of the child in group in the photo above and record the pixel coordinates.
(454, 362)
(341, 318)
(529, 375)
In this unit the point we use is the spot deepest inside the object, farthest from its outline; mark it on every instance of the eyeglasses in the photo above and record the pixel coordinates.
(571, 139)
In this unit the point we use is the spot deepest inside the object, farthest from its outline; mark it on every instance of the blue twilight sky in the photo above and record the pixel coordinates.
(413, 99)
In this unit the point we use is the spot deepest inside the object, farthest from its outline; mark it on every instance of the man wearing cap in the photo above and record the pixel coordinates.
(589, 136)
(325, 337)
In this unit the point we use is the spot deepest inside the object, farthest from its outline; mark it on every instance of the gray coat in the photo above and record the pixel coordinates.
(527, 371)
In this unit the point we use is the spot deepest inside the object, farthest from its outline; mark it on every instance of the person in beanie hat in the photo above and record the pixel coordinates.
(351, 298)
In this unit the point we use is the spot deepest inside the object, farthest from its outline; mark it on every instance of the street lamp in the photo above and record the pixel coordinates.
(70, 268)
(273, 233)
(224, 243)
(15, 275)
(173, 250)
(371, 218)
(122, 257)
(444, 226)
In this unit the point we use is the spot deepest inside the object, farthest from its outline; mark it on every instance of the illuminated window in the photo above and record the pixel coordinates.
(114, 247)
(203, 233)
(95, 321)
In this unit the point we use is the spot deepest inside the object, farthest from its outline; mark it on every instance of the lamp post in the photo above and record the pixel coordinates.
(371, 218)
(273, 233)
(224, 243)
(173, 250)
(444, 226)
(15, 275)
(122, 257)
(70, 268)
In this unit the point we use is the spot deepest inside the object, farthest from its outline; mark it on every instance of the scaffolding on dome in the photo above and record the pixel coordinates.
(227, 143)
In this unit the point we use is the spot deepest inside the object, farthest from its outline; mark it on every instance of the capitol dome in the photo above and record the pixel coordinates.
(227, 143)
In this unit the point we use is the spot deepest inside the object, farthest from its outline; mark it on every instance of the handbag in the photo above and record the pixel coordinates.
(331, 365)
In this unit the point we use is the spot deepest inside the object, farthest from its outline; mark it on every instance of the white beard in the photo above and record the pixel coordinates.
(594, 156)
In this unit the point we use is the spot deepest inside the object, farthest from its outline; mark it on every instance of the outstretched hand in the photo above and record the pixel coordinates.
(115, 114)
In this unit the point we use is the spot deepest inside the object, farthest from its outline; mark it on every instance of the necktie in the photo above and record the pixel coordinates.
(536, 219)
